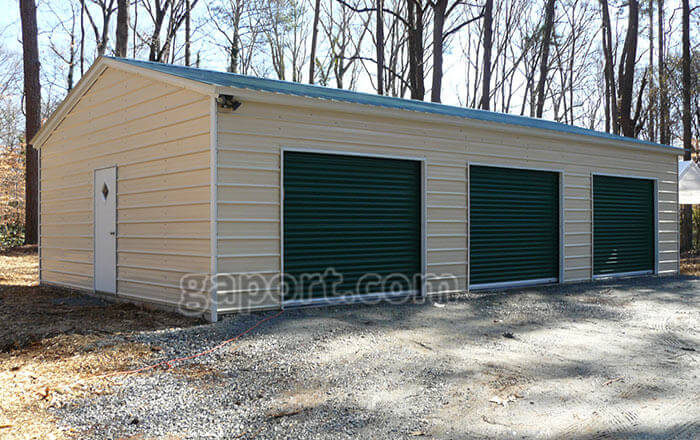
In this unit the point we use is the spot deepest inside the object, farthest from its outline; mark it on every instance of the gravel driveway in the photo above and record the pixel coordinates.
(607, 360)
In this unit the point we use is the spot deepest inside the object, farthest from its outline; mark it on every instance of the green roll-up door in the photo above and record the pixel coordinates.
(623, 225)
(360, 216)
(514, 226)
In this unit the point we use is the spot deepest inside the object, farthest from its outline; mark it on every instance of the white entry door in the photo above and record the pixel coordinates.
(105, 197)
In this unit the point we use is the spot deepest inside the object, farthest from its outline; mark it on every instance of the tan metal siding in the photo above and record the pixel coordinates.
(158, 137)
(250, 141)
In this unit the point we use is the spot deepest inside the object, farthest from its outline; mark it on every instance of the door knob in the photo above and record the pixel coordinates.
(112, 233)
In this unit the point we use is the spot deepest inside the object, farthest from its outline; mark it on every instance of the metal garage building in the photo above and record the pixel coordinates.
(153, 172)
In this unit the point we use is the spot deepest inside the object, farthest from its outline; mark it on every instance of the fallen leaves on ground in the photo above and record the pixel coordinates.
(55, 341)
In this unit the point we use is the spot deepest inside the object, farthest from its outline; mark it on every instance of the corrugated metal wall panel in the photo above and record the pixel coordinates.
(158, 137)
(623, 225)
(514, 232)
(357, 215)
(252, 137)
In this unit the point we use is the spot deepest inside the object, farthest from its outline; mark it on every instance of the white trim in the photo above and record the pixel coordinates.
(515, 167)
(281, 223)
(424, 221)
(513, 284)
(349, 299)
(655, 184)
(508, 284)
(424, 226)
(469, 224)
(350, 153)
(657, 250)
(623, 274)
(626, 176)
(562, 226)
(678, 221)
(213, 208)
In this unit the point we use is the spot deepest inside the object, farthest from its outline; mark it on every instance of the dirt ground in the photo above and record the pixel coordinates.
(594, 361)
(49, 337)
(691, 266)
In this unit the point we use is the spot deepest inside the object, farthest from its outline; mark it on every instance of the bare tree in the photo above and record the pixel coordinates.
(101, 29)
(238, 26)
(664, 135)
(611, 113)
(626, 71)
(314, 41)
(488, 36)
(651, 130)
(544, 59)
(82, 37)
(122, 27)
(687, 83)
(188, 32)
(441, 12)
(379, 44)
(687, 214)
(32, 94)
(68, 55)
(439, 15)
(344, 31)
(167, 17)
(416, 51)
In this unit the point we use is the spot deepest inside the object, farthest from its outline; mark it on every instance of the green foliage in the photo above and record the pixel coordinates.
(11, 235)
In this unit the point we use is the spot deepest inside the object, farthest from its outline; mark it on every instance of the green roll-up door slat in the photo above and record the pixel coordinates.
(514, 225)
(623, 225)
(357, 215)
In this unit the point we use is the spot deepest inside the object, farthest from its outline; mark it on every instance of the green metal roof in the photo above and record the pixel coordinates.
(227, 79)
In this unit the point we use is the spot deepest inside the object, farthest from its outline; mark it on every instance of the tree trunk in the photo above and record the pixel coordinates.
(610, 89)
(652, 87)
(488, 37)
(544, 58)
(380, 47)
(687, 84)
(687, 217)
(415, 49)
(439, 10)
(122, 27)
(314, 39)
(188, 33)
(32, 93)
(82, 37)
(663, 83)
(136, 26)
(626, 71)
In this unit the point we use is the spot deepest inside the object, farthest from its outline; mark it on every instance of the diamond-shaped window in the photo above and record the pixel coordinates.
(105, 191)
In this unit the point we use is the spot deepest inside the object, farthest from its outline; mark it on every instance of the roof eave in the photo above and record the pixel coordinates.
(244, 94)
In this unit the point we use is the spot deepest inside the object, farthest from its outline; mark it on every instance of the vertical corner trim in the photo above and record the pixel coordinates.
(213, 205)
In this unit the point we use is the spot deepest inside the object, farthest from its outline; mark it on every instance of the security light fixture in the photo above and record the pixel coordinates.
(228, 101)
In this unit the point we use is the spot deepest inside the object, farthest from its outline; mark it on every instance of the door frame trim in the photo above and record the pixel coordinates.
(424, 220)
(116, 228)
(655, 201)
(510, 284)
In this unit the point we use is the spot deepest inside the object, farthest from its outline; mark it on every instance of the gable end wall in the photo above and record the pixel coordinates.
(158, 136)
